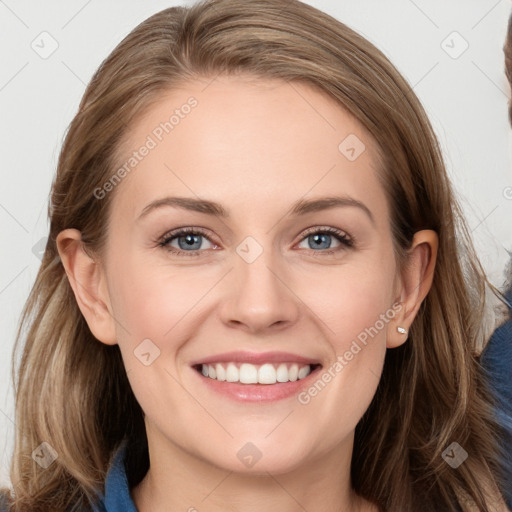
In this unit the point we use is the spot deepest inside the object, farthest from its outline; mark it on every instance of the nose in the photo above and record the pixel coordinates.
(258, 297)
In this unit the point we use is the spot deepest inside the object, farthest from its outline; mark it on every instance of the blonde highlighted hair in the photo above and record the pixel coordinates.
(72, 391)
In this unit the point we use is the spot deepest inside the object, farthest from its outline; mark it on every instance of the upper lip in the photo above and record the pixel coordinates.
(256, 358)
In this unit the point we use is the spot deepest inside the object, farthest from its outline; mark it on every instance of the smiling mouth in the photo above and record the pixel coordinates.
(247, 373)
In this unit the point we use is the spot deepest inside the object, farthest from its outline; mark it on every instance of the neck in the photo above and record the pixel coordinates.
(179, 480)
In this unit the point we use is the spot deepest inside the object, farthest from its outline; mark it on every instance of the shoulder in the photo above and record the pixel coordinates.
(497, 362)
(496, 358)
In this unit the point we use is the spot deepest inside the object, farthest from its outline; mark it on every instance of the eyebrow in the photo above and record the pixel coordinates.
(300, 207)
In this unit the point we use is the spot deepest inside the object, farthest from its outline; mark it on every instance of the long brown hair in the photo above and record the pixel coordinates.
(72, 391)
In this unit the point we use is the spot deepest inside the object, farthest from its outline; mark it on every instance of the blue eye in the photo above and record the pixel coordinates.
(189, 241)
(320, 239)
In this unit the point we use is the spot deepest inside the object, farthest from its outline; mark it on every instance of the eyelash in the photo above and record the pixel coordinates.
(341, 236)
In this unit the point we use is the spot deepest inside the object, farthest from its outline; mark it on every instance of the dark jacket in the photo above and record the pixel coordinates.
(497, 362)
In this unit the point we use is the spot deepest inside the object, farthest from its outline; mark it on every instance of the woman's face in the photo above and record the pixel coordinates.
(274, 284)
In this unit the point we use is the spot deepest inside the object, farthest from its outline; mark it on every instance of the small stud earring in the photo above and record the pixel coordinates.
(401, 330)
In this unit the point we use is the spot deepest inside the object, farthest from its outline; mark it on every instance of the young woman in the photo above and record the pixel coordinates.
(258, 290)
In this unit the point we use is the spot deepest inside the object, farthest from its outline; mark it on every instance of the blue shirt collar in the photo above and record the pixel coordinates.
(117, 496)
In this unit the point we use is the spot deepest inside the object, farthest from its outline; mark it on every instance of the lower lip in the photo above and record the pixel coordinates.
(258, 392)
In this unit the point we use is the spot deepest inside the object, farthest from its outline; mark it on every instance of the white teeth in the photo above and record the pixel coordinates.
(267, 374)
(221, 373)
(282, 373)
(303, 372)
(247, 373)
(232, 374)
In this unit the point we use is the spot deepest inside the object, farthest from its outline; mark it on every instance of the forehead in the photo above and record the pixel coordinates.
(249, 144)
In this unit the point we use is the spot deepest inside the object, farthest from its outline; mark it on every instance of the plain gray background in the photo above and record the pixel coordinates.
(464, 91)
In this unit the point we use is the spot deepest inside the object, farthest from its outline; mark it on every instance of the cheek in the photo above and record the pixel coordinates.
(358, 306)
(153, 302)
(348, 299)
(151, 299)
(354, 304)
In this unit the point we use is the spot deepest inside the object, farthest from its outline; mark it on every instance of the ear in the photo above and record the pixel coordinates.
(415, 282)
(87, 280)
